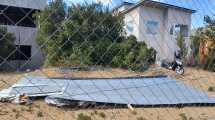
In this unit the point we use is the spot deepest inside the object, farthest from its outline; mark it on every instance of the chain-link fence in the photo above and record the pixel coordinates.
(107, 59)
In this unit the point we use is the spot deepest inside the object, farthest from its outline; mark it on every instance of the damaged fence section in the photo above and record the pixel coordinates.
(141, 91)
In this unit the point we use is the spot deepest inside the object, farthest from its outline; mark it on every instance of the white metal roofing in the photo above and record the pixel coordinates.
(136, 91)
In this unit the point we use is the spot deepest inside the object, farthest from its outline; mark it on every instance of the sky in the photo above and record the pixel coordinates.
(203, 7)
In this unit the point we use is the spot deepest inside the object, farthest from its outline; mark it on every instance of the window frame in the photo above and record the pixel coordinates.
(151, 27)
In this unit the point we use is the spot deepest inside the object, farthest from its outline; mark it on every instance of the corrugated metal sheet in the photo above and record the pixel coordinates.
(136, 91)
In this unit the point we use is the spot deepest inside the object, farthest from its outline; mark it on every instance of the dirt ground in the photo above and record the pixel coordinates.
(39, 110)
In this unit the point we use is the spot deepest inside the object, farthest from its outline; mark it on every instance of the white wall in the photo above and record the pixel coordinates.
(175, 17)
(26, 36)
(164, 43)
(35, 4)
(135, 17)
(154, 41)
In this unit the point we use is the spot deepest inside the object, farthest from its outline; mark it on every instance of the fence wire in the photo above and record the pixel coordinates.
(75, 60)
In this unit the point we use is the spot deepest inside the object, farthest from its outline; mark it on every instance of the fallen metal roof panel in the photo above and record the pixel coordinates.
(136, 91)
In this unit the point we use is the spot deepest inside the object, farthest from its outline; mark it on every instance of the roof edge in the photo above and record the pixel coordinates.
(142, 2)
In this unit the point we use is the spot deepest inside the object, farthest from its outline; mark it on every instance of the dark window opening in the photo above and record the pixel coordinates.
(23, 52)
(17, 16)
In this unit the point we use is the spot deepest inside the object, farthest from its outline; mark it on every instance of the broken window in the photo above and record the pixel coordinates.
(179, 29)
(23, 52)
(16, 16)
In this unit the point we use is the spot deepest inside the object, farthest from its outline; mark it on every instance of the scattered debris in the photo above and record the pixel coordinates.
(130, 107)
(22, 100)
(58, 102)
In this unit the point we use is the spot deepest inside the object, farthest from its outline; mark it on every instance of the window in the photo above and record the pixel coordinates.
(130, 26)
(151, 27)
(179, 29)
(23, 52)
(17, 16)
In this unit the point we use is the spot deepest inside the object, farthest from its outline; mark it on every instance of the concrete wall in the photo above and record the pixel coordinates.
(34, 4)
(26, 36)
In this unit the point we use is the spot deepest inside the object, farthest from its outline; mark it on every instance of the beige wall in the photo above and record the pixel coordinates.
(35, 4)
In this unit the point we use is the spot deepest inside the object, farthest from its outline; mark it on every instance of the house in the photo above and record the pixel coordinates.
(157, 24)
(17, 17)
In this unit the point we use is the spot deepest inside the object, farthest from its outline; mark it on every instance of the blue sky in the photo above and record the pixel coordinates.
(203, 7)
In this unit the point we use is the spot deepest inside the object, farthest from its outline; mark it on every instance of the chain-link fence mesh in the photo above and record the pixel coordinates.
(107, 59)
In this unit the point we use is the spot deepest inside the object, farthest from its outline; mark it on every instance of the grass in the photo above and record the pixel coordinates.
(134, 112)
(29, 109)
(81, 116)
(17, 115)
(211, 89)
(102, 115)
(14, 110)
(183, 116)
(39, 114)
(141, 118)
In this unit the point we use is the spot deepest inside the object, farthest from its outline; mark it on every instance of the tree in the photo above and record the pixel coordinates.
(210, 35)
(7, 45)
(199, 44)
(49, 23)
(89, 35)
(182, 45)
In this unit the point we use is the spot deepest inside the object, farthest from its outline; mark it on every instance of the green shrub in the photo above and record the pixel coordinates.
(201, 35)
(102, 115)
(210, 61)
(183, 116)
(182, 45)
(39, 114)
(7, 45)
(83, 117)
(141, 118)
(211, 89)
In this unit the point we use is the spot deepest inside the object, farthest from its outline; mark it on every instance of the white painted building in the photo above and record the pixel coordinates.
(17, 16)
(158, 24)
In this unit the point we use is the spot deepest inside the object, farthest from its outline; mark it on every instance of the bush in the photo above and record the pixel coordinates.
(183, 116)
(39, 114)
(83, 117)
(211, 89)
(210, 61)
(141, 118)
(204, 35)
(182, 45)
(6, 43)
(102, 115)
